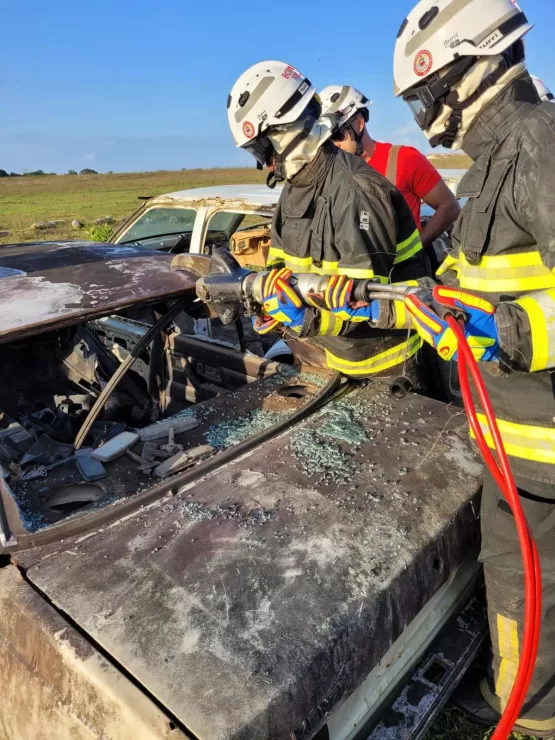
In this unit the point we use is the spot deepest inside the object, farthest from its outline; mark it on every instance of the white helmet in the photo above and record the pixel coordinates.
(341, 103)
(268, 95)
(453, 34)
(543, 91)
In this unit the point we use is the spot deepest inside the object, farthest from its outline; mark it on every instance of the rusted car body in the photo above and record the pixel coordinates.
(283, 585)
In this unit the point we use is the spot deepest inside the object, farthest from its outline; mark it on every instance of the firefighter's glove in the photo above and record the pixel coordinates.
(337, 298)
(429, 308)
(280, 303)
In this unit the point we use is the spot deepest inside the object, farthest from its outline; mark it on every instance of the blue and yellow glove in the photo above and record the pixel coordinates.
(480, 328)
(337, 298)
(280, 303)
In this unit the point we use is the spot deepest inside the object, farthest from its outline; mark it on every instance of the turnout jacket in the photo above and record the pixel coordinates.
(338, 216)
(504, 251)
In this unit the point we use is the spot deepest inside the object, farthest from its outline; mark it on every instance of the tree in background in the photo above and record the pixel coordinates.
(87, 171)
(71, 172)
(3, 173)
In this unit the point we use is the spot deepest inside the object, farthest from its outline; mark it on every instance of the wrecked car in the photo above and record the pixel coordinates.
(197, 542)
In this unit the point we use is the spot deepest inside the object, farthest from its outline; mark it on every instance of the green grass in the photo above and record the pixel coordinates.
(27, 200)
(452, 725)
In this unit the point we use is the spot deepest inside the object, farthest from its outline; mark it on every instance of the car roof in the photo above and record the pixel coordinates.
(49, 285)
(249, 197)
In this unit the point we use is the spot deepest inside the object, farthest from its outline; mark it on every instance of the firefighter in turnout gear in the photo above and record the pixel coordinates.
(405, 167)
(336, 216)
(460, 66)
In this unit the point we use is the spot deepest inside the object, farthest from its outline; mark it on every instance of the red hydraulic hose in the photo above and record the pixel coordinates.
(503, 476)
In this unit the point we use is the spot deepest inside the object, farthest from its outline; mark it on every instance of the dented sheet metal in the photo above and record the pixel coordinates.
(266, 592)
(52, 285)
(56, 685)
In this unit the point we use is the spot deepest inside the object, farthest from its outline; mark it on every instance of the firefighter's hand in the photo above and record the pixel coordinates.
(337, 298)
(264, 324)
(429, 309)
(280, 303)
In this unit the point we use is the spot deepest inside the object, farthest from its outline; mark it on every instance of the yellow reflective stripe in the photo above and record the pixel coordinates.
(275, 257)
(521, 440)
(408, 248)
(305, 264)
(330, 325)
(378, 363)
(449, 263)
(540, 309)
(508, 650)
(509, 273)
(402, 317)
(530, 726)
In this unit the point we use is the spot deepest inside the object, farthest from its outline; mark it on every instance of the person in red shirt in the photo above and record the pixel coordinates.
(405, 167)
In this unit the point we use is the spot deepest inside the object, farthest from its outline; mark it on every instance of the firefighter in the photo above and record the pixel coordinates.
(460, 66)
(543, 91)
(405, 167)
(336, 216)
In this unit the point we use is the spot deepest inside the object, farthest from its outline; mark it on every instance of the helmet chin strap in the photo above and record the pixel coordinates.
(358, 137)
(454, 124)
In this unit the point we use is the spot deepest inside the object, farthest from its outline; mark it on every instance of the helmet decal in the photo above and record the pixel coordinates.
(423, 63)
(248, 129)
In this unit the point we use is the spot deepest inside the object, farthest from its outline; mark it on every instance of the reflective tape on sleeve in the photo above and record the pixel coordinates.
(330, 325)
(408, 248)
(508, 273)
(540, 309)
(521, 440)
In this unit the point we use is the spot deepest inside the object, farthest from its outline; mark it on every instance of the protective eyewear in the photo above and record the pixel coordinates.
(262, 150)
(424, 107)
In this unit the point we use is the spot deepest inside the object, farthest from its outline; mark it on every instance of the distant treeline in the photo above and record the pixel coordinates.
(41, 173)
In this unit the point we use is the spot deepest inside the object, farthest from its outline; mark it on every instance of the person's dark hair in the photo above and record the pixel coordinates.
(341, 133)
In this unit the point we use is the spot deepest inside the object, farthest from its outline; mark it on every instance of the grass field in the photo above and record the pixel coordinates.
(27, 200)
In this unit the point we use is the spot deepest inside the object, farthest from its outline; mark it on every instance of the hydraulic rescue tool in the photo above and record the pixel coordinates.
(226, 286)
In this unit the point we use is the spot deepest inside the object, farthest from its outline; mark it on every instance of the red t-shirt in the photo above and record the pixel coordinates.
(416, 177)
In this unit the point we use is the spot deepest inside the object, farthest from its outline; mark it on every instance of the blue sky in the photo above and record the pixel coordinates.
(129, 86)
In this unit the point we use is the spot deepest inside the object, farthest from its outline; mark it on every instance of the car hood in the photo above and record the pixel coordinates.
(50, 285)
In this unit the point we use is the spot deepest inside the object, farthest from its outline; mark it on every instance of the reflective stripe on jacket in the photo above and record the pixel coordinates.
(504, 251)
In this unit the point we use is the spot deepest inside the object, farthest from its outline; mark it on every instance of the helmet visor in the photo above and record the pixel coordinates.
(424, 110)
(261, 149)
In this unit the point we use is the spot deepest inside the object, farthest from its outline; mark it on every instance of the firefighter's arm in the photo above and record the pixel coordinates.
(527, 325)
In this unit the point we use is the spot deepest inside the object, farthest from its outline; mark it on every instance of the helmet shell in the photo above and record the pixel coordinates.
(267, 94)
(342, 102)
(437, 32)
